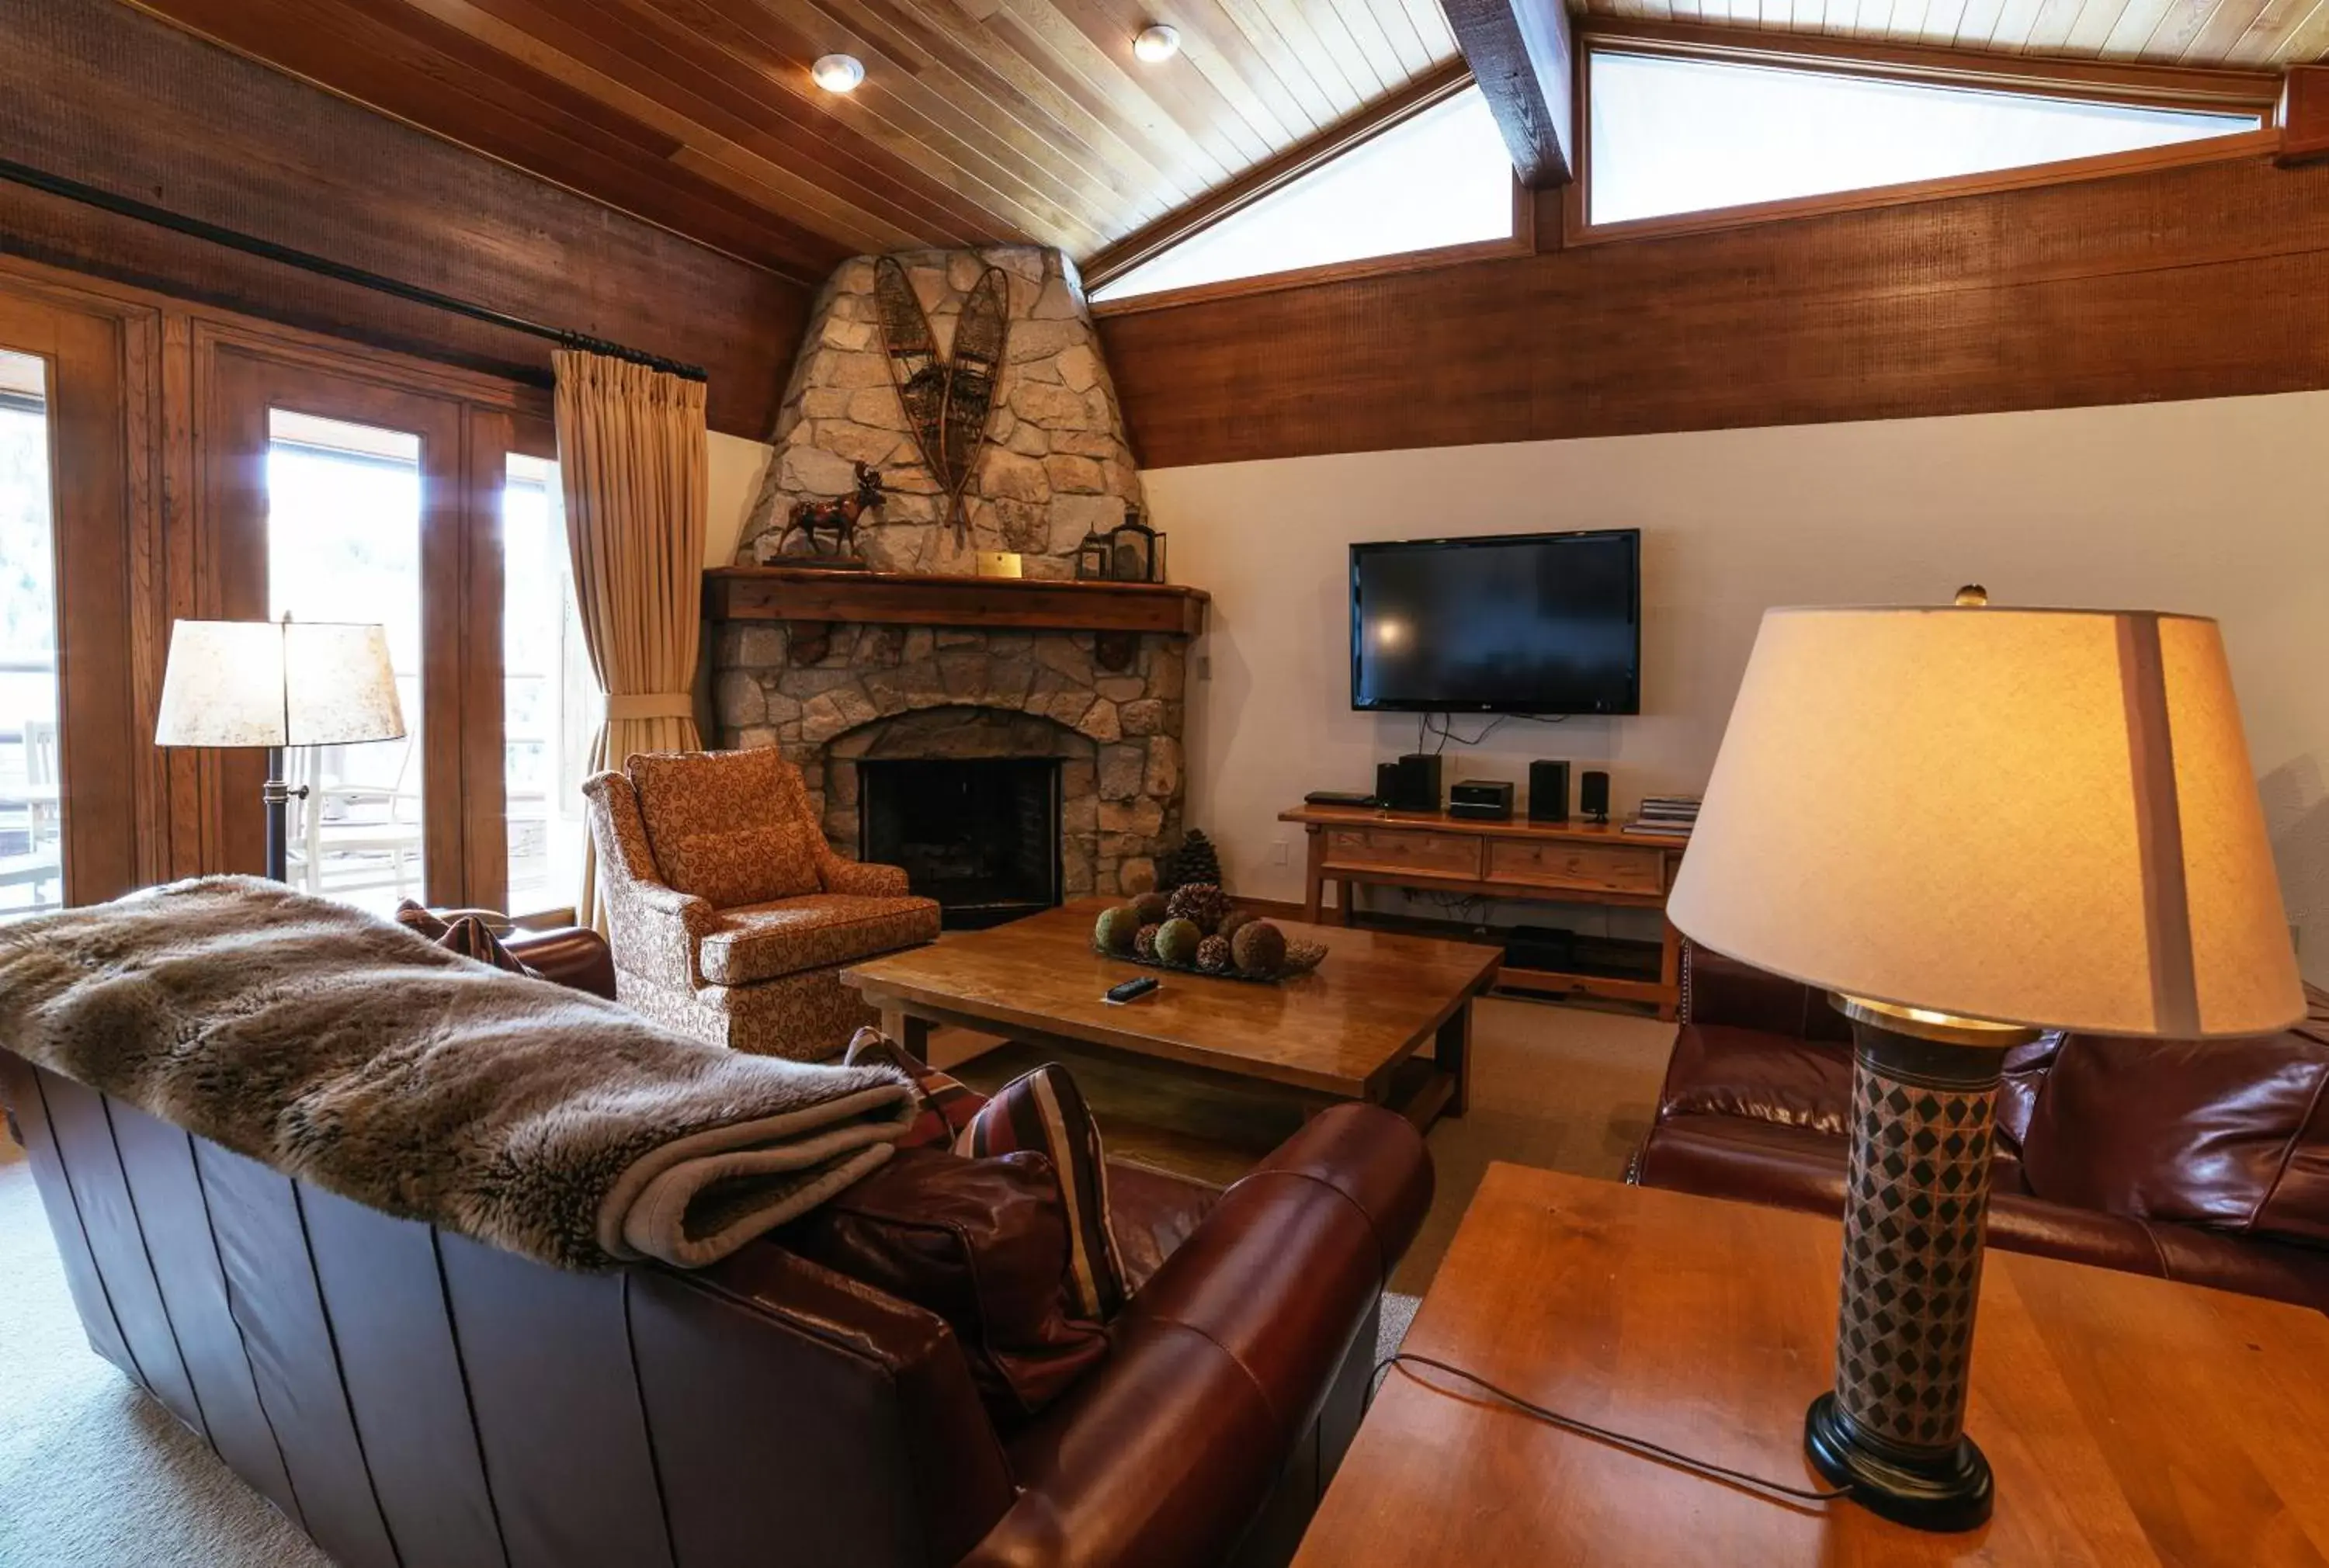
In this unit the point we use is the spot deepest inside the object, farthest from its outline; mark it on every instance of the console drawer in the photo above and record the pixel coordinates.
(1610, 869)
(1403, 850)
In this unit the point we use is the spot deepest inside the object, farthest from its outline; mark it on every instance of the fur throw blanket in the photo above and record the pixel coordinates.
(348, 1052)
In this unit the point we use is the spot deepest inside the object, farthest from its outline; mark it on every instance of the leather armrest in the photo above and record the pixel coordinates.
(1164, 1455)
(572, 955)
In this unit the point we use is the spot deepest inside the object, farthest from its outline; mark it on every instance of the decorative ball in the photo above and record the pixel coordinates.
(1232, 920)
(1257, 948)
(1176, 941)
(1143, 943)
(1117, 928)
(1153, 909)
(1203, 901)
(1214, 954)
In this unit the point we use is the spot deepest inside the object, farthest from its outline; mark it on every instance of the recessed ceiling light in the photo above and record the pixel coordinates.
(838, 72)
(1157, 42)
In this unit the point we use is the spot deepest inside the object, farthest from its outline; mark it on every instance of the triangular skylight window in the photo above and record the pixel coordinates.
(1440, 178)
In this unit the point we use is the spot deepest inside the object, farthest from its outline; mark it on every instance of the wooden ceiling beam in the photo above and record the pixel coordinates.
(1523, 55)
(2304, 115)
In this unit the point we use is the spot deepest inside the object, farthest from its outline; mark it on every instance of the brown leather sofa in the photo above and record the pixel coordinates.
(411, 1398)
(2205, 1162)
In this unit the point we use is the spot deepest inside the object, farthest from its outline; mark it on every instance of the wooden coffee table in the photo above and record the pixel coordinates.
(2129, 1420)
(1351, 1030)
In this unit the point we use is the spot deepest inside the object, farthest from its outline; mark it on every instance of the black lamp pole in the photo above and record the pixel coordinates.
(276, 796)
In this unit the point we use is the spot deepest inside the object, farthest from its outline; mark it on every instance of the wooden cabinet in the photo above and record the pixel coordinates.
(1580, 863)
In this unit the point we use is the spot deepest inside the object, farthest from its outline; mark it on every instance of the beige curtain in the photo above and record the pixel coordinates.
(631, 459)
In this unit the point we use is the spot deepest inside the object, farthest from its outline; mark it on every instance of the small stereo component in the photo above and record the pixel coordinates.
(1386, 782)
(1485, 800)
(1414, 783)
(1340, 798)
(1593, 797)
(1547, 792)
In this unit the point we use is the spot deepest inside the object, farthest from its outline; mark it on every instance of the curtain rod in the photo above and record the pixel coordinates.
(324, 267)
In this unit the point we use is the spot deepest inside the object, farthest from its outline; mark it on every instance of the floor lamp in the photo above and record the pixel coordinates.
(1969, 825)
(277, 684)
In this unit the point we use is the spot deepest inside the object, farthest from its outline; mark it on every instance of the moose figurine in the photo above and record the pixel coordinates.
(805, 540)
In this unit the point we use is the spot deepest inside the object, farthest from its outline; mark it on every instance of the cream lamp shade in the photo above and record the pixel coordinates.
(2035, 817)
(268, 683)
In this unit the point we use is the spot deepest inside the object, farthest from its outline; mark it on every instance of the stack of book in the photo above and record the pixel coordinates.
(1665, 816)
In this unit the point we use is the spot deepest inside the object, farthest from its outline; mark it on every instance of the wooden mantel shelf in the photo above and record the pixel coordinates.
(934, 599)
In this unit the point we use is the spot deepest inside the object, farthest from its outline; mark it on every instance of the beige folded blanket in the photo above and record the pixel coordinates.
(348, 1052)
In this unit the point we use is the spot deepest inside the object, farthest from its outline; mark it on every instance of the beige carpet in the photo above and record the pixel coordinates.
(95, 1475)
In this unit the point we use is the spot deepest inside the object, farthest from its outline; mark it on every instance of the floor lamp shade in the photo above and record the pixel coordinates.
(2034, 817)
(267, 683)
(275, 684)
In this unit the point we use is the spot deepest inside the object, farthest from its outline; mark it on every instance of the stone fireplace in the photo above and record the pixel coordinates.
(970, 800)
(877, 694)
(866, 675)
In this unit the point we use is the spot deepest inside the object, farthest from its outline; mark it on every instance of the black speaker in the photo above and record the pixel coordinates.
(1547, 792)
(1386, 782)
(1593, 797)
(1414, 783)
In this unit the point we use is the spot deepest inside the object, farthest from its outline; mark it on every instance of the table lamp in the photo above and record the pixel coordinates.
(1970, 825)
(278, 684)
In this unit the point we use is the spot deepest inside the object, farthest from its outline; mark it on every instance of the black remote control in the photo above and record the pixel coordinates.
(1132, 990)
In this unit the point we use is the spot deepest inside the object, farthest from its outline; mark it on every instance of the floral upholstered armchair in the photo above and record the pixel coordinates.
(731, 916)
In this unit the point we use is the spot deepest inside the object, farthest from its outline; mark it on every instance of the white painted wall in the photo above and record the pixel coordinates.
(2220, 508)
(733, 467)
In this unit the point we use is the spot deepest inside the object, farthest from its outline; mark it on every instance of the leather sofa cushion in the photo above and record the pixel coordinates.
(767, 941)
(2229, 1134)
(1717, 1070)
(981, 1242)
(719, 826)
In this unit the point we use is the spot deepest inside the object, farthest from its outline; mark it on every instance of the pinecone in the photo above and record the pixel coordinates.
(1214, 954)
(1194, 861)
(1144, 942)
(1203, 901)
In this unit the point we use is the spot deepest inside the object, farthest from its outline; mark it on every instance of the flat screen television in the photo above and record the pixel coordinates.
(1536, 622)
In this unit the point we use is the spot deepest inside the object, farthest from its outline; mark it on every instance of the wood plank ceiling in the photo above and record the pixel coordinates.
(1007, 119)
(977, 121)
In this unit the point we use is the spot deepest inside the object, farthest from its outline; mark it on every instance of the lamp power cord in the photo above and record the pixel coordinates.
(1741, 1481)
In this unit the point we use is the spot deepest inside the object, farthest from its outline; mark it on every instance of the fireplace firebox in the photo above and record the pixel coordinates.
(981, 835)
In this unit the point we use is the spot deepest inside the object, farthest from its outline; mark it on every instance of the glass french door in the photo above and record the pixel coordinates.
(340, 498)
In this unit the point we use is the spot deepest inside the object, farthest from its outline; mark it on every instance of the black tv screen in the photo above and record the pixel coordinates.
(1542, 623)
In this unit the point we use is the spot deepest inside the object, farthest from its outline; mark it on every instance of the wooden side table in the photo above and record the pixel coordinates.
(2129, 1420)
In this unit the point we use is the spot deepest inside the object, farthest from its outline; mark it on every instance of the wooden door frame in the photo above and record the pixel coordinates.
(99, 358)
(464, 458)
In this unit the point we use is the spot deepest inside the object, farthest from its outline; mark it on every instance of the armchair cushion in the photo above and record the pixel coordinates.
(765, 941)
(728, 827)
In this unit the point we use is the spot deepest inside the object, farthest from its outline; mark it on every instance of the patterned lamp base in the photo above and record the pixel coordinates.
(1924, 1106)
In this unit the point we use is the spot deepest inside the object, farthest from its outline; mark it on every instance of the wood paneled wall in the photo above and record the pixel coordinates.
(2209, 281)
(94, 91)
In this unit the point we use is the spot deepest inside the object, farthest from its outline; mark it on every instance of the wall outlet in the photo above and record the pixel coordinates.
(1277, 852)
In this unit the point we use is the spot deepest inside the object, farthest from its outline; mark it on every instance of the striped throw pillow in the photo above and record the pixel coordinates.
(1043, 1111)
(948, 1103)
